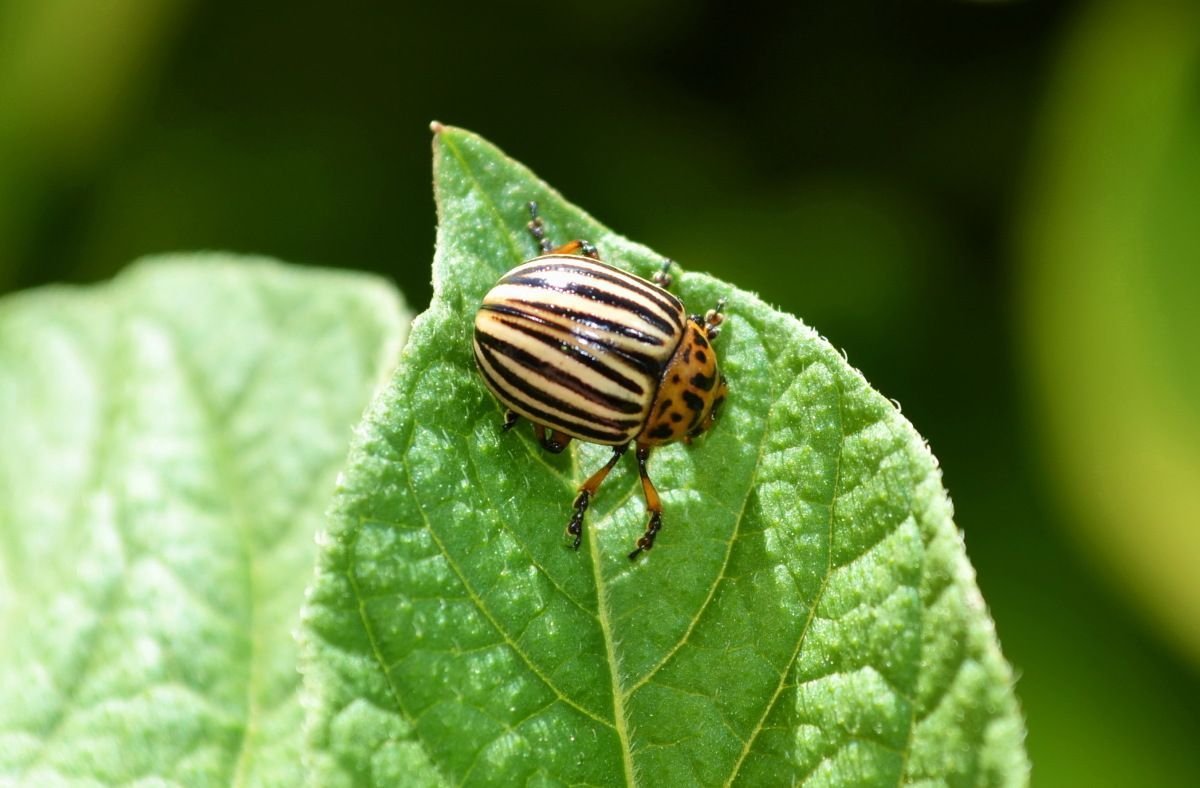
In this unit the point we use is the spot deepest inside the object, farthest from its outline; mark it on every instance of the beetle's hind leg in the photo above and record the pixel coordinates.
(653, 505)
(552, 441)
(511, 417)
(586, 491)
(537, 228)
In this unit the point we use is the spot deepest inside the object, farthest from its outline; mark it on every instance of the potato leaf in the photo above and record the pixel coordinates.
(808, 612)
(168, 447)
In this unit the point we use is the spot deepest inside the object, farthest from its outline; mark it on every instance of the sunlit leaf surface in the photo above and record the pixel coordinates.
(169, 443)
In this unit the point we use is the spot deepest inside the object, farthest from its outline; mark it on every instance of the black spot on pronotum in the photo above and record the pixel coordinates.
(676, 417)
(661, 431)
(701, 356)
(687, 354)
(662, 407)
(700, 340)
(703, 382)
(692, 401)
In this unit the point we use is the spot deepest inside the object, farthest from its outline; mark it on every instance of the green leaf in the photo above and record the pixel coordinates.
(807, 612)
(171, 441)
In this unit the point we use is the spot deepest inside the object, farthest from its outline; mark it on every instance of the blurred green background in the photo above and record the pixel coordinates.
(993, 207)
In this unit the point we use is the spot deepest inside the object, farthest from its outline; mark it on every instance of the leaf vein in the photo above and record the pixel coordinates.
(812, 611)
(721, 575)
(487, 613)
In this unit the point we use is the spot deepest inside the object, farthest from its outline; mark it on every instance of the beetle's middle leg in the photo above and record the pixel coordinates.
(537, 228)
(587, 490)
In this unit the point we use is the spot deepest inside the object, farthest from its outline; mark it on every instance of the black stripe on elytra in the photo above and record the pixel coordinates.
(636, 359)
(669, 304)
(563, 344)
(541, 416)
(534, 400)
(539, 367)
(598, 295)
(591, 321)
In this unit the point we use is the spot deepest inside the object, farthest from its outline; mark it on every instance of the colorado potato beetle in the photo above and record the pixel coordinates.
(587, 351)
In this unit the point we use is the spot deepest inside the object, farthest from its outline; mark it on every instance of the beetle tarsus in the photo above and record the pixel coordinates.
(537, 228)
(662, 277)
(511, 417)
(588, 489)
(713, 318)
(575, 527)
(647, 541)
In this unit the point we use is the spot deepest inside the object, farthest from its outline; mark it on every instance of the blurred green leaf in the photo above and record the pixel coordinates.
(170, 442)
(1110, 284)
(69, 74)
(808, 611)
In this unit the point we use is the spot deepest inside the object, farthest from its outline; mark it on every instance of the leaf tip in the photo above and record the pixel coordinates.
(436, 126)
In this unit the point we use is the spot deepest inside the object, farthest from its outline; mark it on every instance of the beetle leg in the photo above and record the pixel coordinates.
(552, 441)
(587, 490)
(713, 318)
(538, 229)
(511, 417)
(662, 277)
(653, 504)
(584, 248)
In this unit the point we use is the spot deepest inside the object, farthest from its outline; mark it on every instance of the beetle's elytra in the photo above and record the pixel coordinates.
(587, 351)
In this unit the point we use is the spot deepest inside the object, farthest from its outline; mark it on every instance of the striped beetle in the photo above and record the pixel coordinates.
(587, 351)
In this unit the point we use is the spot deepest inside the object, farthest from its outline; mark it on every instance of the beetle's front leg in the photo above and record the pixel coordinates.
(653, 504)
(586, 491)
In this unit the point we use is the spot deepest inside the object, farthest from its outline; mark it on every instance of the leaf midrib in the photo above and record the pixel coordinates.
(238, 503)
(603, 613)
(604, 616)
